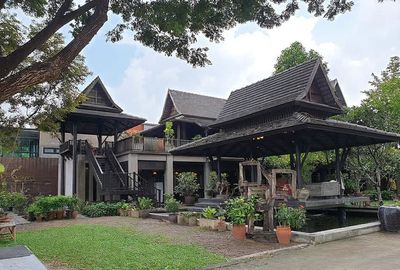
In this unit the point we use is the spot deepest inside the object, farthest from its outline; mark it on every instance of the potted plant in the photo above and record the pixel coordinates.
(123, 209)
(3, 216)
(35, 210)
(172, 207)
(181, 218)
(59, 203)
(72, 207)
(191, 218)
(239, 210)
(289, 218)
(187, 186)
(142, 209)
(208, 219)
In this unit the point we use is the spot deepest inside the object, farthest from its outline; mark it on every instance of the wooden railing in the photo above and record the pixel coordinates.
(148, 144)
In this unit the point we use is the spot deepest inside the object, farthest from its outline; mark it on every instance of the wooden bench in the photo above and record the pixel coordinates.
(8, 228)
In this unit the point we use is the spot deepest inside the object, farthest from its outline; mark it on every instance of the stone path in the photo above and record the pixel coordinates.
(368, 252)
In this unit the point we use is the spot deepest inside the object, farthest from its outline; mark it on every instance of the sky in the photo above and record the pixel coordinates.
(355, 45)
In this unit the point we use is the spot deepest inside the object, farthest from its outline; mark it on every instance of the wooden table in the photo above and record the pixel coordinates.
(8, 228)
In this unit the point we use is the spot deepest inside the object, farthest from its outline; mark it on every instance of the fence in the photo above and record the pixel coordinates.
(33, 176)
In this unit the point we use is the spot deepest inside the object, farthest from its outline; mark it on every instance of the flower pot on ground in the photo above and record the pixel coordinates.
(239, 231)
(187, 186)
(289, 218)
(239, 210)
(3, 216)
(209, 219)
(72, 207)
(181, 219)
(172, 207)
(123, 209)
(143, 208)
(190, 218)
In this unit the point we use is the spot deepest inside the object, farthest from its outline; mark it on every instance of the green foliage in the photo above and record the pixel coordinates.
(209, 213)
(191, 214)
(13, 200)
(290, 216)
(171, 204)
(212, 181)
(197, 137)
(240, 209)
(387, 195)
(187, 184)
(169, 132)
(101, 209)
(294, 55)
(109, 247)
(144, 203)
(44, 204)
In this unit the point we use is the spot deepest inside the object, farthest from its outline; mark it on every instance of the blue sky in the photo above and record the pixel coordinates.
(354, 45)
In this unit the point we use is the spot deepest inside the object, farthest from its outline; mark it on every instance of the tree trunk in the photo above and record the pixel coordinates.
(52, 68)
(378, 185)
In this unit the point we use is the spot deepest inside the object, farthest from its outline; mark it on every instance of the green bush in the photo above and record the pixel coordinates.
(240, 209)
(144, 203)
(171, 204)
(209, 213)
(44, 204)
(14, 200)
(187, 184)
(387, 195)
(290, 216)
(101, 209)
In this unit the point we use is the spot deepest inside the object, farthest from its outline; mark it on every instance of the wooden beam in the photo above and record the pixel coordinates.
(74, 156)
(298, 167)
(337, 170)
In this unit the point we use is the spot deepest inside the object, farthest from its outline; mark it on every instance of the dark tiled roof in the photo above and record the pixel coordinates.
(294, 122)
(195, 105)
(279, 89)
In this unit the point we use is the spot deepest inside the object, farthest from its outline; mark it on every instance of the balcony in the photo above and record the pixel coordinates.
(148, 144)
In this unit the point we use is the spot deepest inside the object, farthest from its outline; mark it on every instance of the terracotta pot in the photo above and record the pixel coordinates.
(192, 221)
(239, 231)
(283, 233)
(74, 214)
(60, 214)
(189, 200)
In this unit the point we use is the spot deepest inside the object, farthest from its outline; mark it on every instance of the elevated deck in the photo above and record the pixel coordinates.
(322, 203)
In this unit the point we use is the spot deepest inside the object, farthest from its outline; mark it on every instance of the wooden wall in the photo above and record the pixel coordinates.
(33, 176)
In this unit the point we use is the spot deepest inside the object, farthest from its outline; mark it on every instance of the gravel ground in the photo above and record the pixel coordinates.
(218, 242)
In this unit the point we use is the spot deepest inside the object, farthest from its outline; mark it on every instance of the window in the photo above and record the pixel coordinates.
(51, 150)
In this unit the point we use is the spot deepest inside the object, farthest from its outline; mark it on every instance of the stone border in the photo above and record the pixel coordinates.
(336, 234)
(249, 257)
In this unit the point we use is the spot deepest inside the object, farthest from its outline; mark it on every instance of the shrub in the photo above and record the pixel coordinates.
(209, 212)
(240, 209)
(290, 216)
(388, 195)
(101, 209)
(144, 203)
(14, 200)
(187, 184)
(171, 204)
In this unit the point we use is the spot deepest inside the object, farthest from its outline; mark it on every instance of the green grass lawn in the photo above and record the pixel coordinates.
(387, 202)
(103, 247)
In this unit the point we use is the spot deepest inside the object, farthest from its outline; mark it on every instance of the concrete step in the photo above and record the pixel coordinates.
(205, 205)
(213, 200)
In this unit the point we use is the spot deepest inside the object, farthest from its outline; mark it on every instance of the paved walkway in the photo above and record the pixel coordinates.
(373, 251)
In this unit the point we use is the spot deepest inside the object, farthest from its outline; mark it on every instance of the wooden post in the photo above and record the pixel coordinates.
(292, 161)
(338, 174)
(74, 156)
(219, 169)
(298, 167)
(62, 180)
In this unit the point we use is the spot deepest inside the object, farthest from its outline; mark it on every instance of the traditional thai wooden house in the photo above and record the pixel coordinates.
(289, 113)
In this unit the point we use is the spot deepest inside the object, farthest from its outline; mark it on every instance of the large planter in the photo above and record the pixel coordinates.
(172, 217)
(139, 213)
(239, 231)
(209, 224)
(283, 233)
(192, 221)
(181, 219)
(221, 226)
(189, 200)
(60, 214)
(389, 216)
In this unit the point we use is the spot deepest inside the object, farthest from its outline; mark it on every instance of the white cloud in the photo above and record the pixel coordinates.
(248, 54)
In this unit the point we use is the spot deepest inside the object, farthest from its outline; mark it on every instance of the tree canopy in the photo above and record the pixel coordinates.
(294, 55)
(171, 27)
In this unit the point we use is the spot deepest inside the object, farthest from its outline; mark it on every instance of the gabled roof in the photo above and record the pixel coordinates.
(98, 98)
(292, 85)
(276, 138)
(179, 103)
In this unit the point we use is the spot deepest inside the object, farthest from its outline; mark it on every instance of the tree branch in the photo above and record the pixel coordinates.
(11, 61)
(53, 67)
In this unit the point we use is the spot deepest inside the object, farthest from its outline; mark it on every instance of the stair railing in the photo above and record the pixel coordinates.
(98, 172)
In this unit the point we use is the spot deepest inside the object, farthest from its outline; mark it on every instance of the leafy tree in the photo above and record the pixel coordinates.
(44, 104)
(167, 26)
(294, 55)
(380, 109)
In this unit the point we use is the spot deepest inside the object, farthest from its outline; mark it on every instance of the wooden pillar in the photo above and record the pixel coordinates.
(62, 180)
(219, 169)
(292, 161)
(74, 156)
(337, 170)
(298, 167)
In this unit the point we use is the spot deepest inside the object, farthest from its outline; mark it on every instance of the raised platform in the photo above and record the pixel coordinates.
(314, 203)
